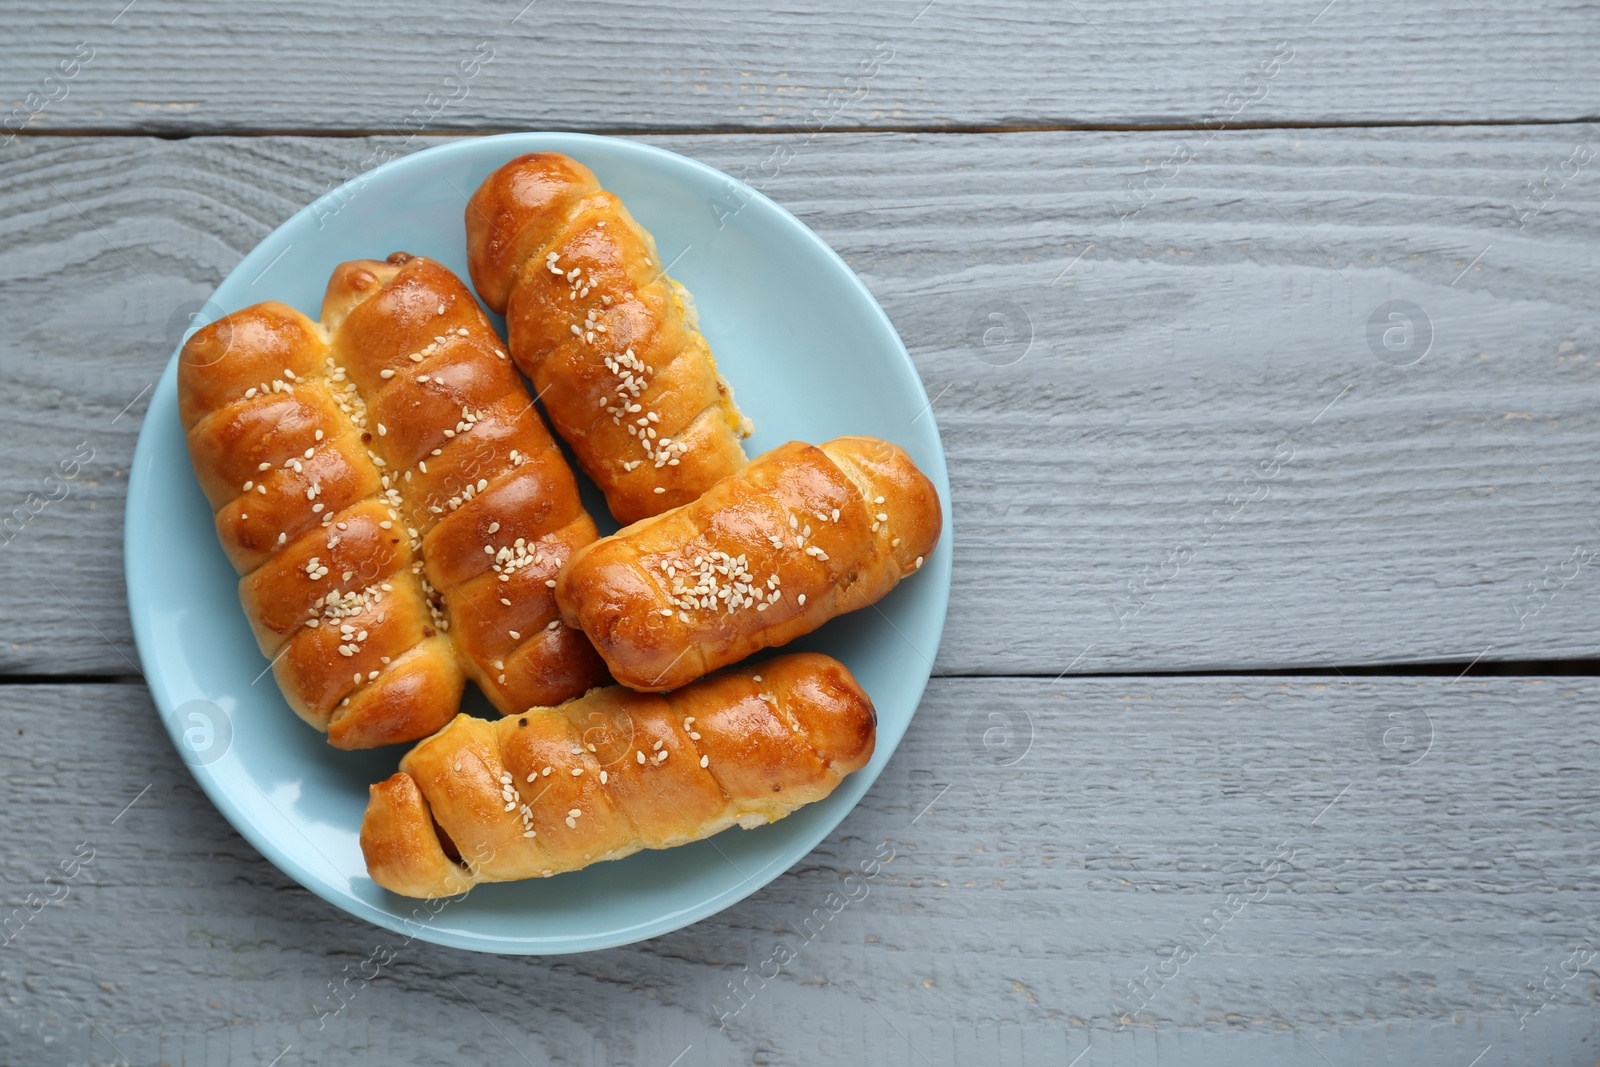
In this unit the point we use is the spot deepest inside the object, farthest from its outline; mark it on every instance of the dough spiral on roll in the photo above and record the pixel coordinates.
(800, 535)
(310, 442)
(482, 488)
(614, 772)
(608, 340)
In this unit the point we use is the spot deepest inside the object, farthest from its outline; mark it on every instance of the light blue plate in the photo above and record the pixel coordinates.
(810, 355)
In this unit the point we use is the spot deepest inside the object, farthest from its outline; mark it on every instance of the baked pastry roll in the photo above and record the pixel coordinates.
(800, 535)
(608, 340)
(394, 503)
(614, 772)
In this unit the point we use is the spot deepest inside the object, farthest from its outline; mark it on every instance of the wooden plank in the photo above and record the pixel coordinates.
(623, 65)
(1186, 455)
(1365, 871)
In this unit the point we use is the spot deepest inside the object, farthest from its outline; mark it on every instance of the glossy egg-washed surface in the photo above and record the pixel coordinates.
(609, 341)
(613, 772)
(800, 535)
(359, 468)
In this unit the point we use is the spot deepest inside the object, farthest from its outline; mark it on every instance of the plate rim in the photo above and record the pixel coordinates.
(256, 834)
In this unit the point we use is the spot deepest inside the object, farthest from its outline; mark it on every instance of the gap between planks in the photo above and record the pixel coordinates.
(769, 130)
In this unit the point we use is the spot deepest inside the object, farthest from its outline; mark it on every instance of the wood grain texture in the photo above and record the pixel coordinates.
(297, 65)
(1183, 454)
(1050, 842)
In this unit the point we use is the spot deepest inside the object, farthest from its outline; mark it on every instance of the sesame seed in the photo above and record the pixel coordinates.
(658, 489)
(386, 373)
(603, 777)
(640, 755)
(515, 636)
(576, 771)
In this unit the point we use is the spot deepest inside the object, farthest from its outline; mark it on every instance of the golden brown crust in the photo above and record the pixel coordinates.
(401, 850)
(800, 535)
(306, 439)
(607, 339)
(613, 772)
(294, 493)
(480, 485)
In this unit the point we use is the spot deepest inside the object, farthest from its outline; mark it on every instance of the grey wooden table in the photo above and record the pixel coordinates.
(1265, 345)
